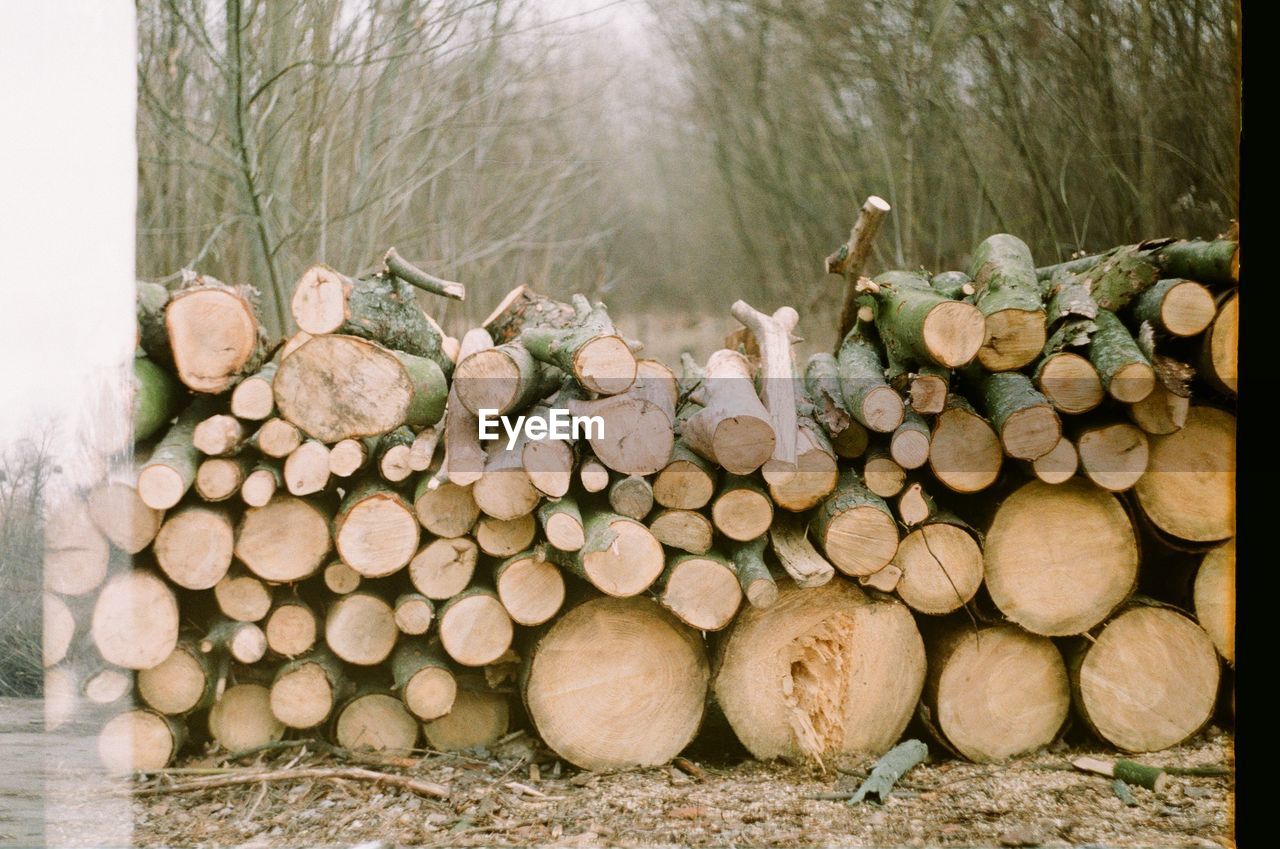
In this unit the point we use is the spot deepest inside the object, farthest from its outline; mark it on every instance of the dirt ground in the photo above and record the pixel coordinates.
(497, 799)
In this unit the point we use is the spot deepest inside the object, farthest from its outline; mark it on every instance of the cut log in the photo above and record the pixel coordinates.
(464, 456)
(305, 690)
(423, 678)
(1069, 381)
(588, 348)
(361, 629)
(261, 484)
(276, 438)
(620, 557)
(636, 436)
(530, 587)
(1215, 598)
(171, 469)
(867, 396)
(243, 642)
(855, 528)
(789, 540)
(219, 478)
(733, 428)
(376, 721)
(927, 389)
(139, 740)
(965, 453)
(505, 537)
(953, 284)
(822, 390)
(615, 684)
(475, 628)
(504, 491)
(194, 547)
(1009, 295)
(242, 596)
(882, 474)
(685, 530)
(851, 442)
(242, 719)
(153, 338)
(381, 309)
(592, 474)
(479, 718)
(687, 482)
(291, 627)
(348, 456)
(996, 692)
(1148, 681)
(920, 326)
(1178, 307)
(909, 445)
(915, 506)
(414, 613)
(1112, 455)
(1125, 371)
(59, 630)
(1213, 262)
(135, 620)
(335, 387)
(340, 579)
(306, 469)
(448, 510)
(292, 344)
(1162, 412)
(393, 454)
(117, 509)
(547, 462)
(823, 672)
(701, 590)
(1219, 360)
(218, 435)
(107, 686)
(506, 379)
(443, 568)
(941, 566)
(742, 511)
(375, 530)
(814, 476)
(1059, 559)
(562, 523)
(156, 398)
(1027, 424)
(773, 336)
(285, 540)
(1059, 465)
(1188, 490)
(631, 496)
(423, 450)
(185, 681)
(214, 334)
(752, 574)
(253, 399)
(76, 554)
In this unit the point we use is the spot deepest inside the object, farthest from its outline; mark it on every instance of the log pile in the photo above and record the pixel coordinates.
(953, 515)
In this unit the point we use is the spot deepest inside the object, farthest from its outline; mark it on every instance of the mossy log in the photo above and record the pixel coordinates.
(920, 326)
(424, 679)
(589, 348)
(1176, 306)
(156, 398)
(1009, 295)
(867, 395)
(171, 469)
(1126, 373)
(1026, 422)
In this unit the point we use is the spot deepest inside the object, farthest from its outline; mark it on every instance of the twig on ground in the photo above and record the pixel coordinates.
(421, 788)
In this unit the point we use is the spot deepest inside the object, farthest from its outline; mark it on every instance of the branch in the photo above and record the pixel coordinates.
(414, 276)
(852, 256)
(421, 788)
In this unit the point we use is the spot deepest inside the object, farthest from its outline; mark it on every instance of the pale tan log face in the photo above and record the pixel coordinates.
(376, 722)
(1188, 490)
(531, 589)
(476, 719)
(431, 693)
(1070, 382)
(135, 620)
(135, 740)
(303, 697)
(1013, 339)
(378, 536)
(1215, 598)
(242, 718)
(212, 333)
(361, 629)
(941, 568)
(285, 540)
(176, 685)
(476, 630)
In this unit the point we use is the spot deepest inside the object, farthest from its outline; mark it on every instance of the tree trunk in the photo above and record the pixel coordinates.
(588, 682)
(1189, 489)
(1060, 559)
(475, 628)
(443, 568)
(214, 334)
(547, 462)
(340, 579)
(135, 620)
(773, 335)
(285, 540)
(361, 629)
(1010, 296)
(530, 587)
(855, 528)
(786, 674)
(464, 456)
(592, 474)
(1162, 412)
(194, 546)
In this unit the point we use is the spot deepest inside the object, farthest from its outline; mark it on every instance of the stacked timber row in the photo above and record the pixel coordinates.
(945, 516)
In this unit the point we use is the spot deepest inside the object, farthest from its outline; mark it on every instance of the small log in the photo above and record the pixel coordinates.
(909, 445)
(156, 398)
(153, 338)
(589, 348)
(348, 456)
(306, 469)
(58, 631)
(171, 469)
(814, 476)
(448, 510)
(394, 264)
(253, 399)
(506, 379)
(733, 428)
(687, 482)
(479, 718)
(464, 456)
(219, 435)
(242, 718)
(423, 450)
(822, 389)
(117, 509)
(1214, 598)
(1219, 360)
(261, 484)
(242, 596)
(752, 573)
(1069, 381)
(214, 334)
(888, 769)
(619, 556)
(882, 474)
(243, 642)
(393, 455)
(139, 739)
(375, 530)
(915, 506)
(443, 568)
(702, 591)
(106, 686)
(219, 478)
(135, 620)
(1188, 490)
(561, 522)
(291, 627)
(361, 628)
(855, 528)
(340, 579)
(1125, 772)
(414, 613)
(1059, 465)
(276, 438)
(867, 396)
(547, 462)
(530, 587)
(475, 628)
(373, 720)
(789, 539)
(1027, 424)
(1125, 371)
(965, 453)
(685, 530)
(423, 678)
(638, 433)
(1177, 307)
(1162, 412)
(505, 537)
(1010, 296)
(76, 554)
(941, 565)
(285, 540)
(1113, 455)
(592, 474)
(194, 546)
(184, 682)
(631, 496)
(773, 337)
(920, 326)
(505, 491)
(955, 285)
(305, 690)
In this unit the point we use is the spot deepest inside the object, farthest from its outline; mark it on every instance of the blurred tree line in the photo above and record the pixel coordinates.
(722, 156)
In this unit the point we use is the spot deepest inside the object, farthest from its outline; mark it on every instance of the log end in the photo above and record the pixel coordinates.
(1014, 338)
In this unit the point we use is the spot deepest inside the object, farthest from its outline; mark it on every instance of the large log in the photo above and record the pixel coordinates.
(995, 692)
(822, 672)
(1147, 680)
(1214, 598)
(1060, 559)
(375, 530)
(855, 528)
(941, 566)
(1009, 295)
(1214, 262)
(615, 684)
(335, 387)
(1188, 490)
(194, 546)
(285, 540)
(135, 620)
(214, 334)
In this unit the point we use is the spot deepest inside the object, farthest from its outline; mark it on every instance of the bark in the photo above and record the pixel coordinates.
(867, 395)
(589, 348)
(920, 326)
(1026, 422)
(773, 336)
(855, 528)
(1176, 306)
(733, 428)
(753, 575)
(1009, 295)
(171, 469)
(1125, 371)
(156, 398)
(1212, 262)
(397, 266)
(887, 770)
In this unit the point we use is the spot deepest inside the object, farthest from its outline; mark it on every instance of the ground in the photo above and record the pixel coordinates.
(496, 799)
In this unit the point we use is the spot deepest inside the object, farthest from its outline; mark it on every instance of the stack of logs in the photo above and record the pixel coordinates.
(944, 518)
